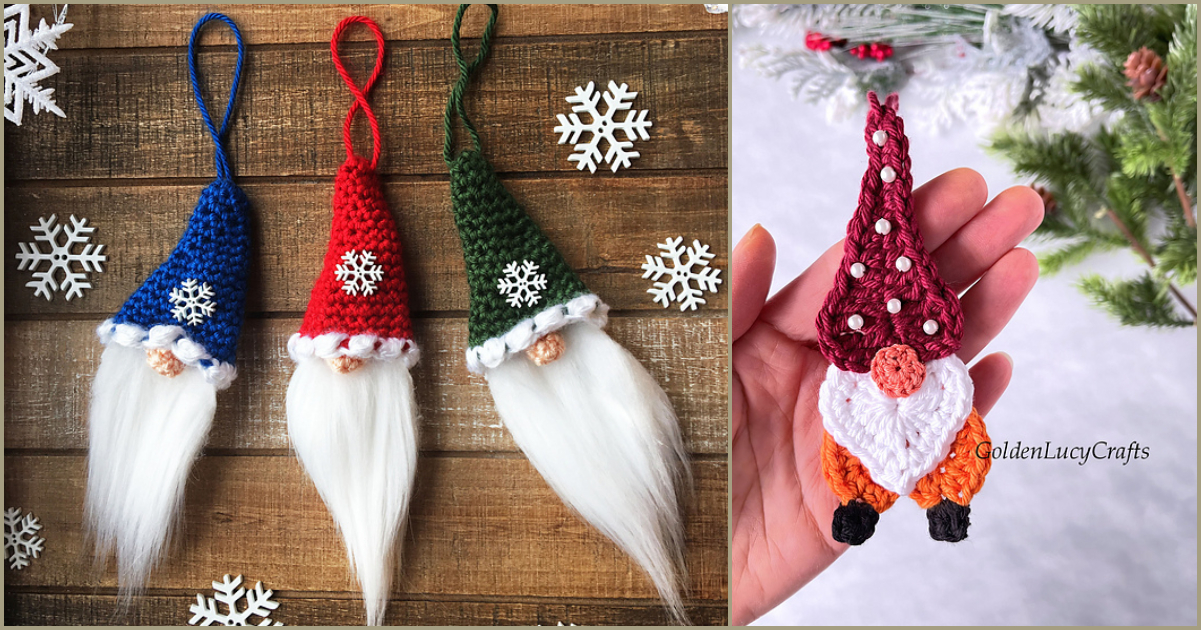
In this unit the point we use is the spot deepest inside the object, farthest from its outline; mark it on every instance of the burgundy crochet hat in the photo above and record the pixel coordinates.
(887, 290)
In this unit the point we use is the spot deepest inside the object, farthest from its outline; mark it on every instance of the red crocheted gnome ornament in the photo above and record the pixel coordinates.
(359, 308)
(896, 403)
(352, 413)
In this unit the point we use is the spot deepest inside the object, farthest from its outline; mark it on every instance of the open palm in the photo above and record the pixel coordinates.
(782, 507)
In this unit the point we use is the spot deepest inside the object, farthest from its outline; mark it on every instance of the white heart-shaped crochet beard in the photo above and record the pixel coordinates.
(898, 440)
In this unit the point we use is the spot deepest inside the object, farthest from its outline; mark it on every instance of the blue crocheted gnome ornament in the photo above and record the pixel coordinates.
(188, 313)
(167, 352)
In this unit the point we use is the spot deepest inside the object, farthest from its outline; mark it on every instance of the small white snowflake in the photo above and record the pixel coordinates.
(521, 283)
(229, 592)
(603, 127)
(358, 272)
(681, 274)
(60, 257)
(20, 541)
(192, 303)
(26, 63)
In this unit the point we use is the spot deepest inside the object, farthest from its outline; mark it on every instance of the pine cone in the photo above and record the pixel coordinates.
(1049, 203)
(1146, 72)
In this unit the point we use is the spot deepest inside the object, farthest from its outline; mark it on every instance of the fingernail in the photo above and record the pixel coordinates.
(1007, 358)
(751, 232)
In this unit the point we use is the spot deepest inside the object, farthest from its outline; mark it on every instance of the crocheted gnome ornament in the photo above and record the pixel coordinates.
(167, 352)
(588, 416)
(896, 403)
(352, 415)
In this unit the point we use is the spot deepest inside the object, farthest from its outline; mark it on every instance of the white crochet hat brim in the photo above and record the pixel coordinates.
(329, 346)
(585, 308)
(172, 338)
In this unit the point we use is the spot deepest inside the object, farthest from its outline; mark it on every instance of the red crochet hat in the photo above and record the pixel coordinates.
(359, 308)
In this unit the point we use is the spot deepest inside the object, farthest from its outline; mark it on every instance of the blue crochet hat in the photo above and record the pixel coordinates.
(192, 305)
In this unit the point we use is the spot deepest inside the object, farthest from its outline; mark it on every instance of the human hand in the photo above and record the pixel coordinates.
(782, 507)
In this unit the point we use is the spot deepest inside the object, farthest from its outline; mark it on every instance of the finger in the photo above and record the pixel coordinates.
(941, 207)
(751, 271)
(990, 303)
(990, 376)
(1008, 219)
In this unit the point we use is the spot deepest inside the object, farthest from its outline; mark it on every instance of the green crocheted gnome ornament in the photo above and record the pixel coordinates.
(522, 291)
(588, 416)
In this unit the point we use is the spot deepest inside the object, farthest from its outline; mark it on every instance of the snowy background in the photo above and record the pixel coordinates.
(1051, 542)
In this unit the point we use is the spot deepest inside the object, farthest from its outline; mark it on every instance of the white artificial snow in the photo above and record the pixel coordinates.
(192, 303)
(26, 63)
(358, 272)
(229, 592)
(20, 539)
(521, 283)
(678, 287)
(60, 257)
(603, 127)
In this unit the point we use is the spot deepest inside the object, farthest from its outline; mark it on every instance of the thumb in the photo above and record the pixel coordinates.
(751, 270)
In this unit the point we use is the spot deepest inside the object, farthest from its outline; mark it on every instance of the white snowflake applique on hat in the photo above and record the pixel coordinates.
(191, 302)
(522, 283)
(358, 272)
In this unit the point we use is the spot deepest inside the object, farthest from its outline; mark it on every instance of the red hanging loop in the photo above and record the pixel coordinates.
(360, 95)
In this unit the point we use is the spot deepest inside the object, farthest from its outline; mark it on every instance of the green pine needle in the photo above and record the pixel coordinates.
(1177, 254)
(1121, 176)
(1140, 302)
(1116, 30)
(1053, 262)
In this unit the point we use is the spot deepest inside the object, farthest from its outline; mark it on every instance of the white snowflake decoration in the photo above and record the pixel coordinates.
(678, 286)
(26, 63)
(603, 127)
(358, 272)
(522, 283)
(60, 257)
(20, 539)
(229, 592)
(192, 303)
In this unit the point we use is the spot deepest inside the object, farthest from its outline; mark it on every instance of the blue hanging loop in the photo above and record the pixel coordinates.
(223, 167)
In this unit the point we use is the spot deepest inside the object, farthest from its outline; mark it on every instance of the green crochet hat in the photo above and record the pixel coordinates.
(521, 287)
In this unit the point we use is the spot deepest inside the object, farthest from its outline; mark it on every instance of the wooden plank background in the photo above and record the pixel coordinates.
(488, 543)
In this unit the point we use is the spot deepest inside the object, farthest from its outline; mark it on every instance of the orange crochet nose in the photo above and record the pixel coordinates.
(897, 371)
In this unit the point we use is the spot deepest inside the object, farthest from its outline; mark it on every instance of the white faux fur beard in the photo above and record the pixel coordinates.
(356, 436)
(144, 432)
(603, 434)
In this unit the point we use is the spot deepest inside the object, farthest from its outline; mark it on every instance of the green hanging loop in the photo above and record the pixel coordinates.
(455, 104)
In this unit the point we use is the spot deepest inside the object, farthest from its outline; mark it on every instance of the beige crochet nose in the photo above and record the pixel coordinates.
(547, 349)
(897, 371)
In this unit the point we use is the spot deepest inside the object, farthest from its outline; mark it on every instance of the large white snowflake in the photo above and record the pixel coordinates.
(358, 272)
(229, 592)
(680, 276)
(26, 63)
(191, 302)
(20, 538)
(522, 283)
(603, 127)
(60, 257)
